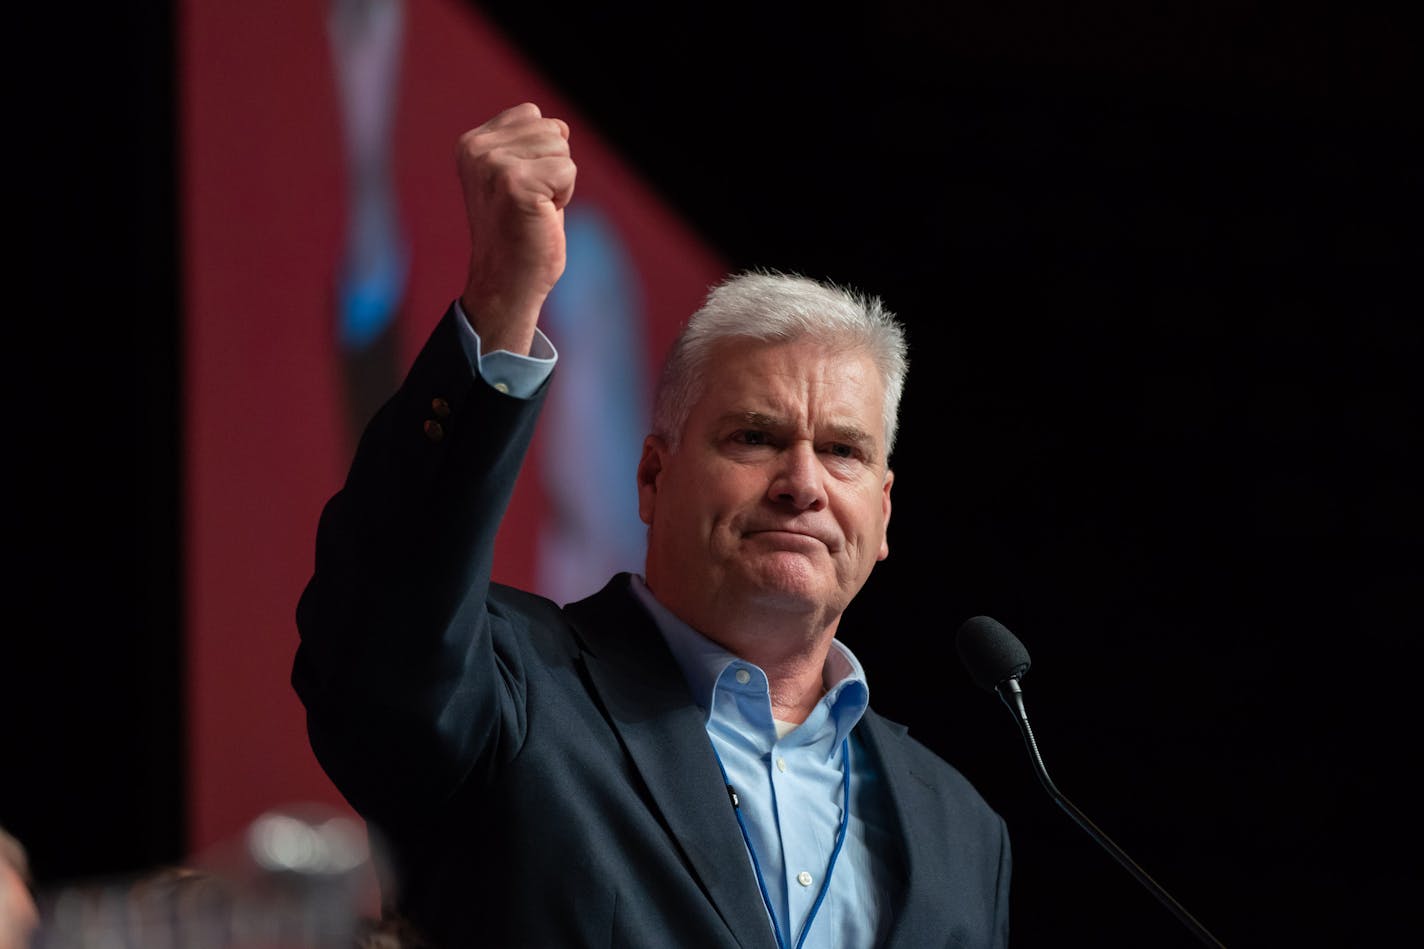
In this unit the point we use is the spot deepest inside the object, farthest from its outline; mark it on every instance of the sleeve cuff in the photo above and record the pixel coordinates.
(512, 374)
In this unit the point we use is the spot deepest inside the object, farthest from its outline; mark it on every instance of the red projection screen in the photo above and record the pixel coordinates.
(290, 315)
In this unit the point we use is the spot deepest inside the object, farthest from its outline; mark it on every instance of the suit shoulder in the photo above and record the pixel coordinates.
(513, 601)
(533, 621)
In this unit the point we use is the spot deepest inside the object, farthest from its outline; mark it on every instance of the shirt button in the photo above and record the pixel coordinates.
(502, 387)
(440, 407)
(803, 878)
(781, 765)
(434, 430)
(743, 676)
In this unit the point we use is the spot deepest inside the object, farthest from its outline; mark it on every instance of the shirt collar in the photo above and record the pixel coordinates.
(703, 662)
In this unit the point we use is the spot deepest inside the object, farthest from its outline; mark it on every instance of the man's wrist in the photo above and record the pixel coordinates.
(503, 323)
(518, 375)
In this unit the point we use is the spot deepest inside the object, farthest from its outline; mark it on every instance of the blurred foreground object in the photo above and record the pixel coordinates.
(290, 881)
(18, 916)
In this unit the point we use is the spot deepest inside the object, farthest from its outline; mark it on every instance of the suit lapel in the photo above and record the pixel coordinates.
(647, 701)
(910, 795)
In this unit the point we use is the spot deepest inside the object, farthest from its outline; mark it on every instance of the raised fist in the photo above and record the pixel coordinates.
(517, 176)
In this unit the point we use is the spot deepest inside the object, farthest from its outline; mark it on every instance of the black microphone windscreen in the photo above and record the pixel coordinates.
(990, 652)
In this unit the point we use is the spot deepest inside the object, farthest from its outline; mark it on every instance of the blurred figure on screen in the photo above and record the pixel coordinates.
(595, 419)
(365, 39)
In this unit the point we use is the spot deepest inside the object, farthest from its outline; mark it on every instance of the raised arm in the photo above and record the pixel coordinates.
(410, 676)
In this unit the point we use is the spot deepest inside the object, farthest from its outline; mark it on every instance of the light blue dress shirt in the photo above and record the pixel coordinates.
(789, 780)
(790, 788)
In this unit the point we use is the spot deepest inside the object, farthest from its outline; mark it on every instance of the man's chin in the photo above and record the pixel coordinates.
(789, 581)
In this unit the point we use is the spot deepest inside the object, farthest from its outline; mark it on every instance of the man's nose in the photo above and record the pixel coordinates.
(800, 479)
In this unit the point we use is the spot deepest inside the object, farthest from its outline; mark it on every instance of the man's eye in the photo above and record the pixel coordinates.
(752, 437)
(842, 451)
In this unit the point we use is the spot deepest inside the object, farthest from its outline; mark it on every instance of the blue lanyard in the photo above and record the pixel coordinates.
(835, 854)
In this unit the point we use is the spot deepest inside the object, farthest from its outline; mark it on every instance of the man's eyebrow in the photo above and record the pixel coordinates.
(845, 434)
(852, 435)
(755, 419)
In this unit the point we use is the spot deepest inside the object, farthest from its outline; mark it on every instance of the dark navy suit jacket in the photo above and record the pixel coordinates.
(537, 775)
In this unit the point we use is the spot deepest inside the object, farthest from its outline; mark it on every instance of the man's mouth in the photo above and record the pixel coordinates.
(790, 537)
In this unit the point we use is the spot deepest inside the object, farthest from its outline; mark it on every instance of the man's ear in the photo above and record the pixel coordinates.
(885, 526)
(650, 470)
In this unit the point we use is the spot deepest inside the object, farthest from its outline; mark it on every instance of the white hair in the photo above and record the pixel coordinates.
(775, 307)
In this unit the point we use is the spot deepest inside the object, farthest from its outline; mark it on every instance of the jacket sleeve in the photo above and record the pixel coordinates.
(410, 671)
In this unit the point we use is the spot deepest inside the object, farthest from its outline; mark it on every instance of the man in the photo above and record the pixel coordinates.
(683, 759)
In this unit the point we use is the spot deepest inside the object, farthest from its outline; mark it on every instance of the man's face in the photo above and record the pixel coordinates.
(778, 494)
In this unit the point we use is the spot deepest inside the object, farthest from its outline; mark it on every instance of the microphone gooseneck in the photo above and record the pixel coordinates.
(996, 660)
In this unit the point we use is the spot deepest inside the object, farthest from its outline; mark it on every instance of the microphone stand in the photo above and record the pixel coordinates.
(1012, 695)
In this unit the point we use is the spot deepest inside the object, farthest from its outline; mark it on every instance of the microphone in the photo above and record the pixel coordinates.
(996, 660)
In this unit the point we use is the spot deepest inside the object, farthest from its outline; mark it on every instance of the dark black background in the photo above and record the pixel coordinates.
(1161, 271)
